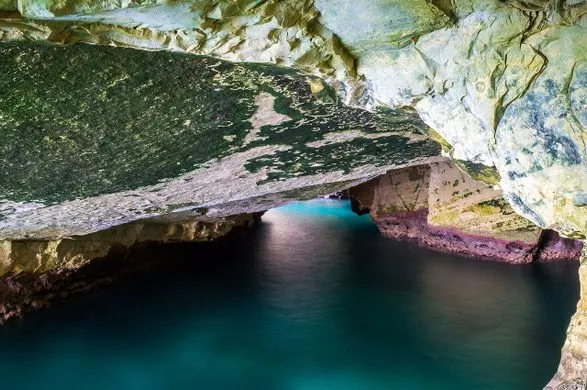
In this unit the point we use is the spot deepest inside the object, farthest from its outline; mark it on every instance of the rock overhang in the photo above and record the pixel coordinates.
(96, 136)
(501, 83)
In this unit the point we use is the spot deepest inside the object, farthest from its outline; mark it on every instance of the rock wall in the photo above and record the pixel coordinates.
(120, 135)
(442, 207)
(485, 75)
(457, 200)
(32, 273)
(573, 365)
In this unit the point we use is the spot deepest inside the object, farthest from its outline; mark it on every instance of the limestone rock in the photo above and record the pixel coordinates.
(62, 255)
(286, 33)
(402, 191)
(361, 196)
(468, 67)
(542, 137)
(573, 365)
(458, 201)
(503, 86)
(439, 206)
(503, 83)
(95, 137)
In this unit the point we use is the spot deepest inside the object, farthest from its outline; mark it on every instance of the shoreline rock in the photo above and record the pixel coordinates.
(443, 208)
(34, 273)
(414, 227)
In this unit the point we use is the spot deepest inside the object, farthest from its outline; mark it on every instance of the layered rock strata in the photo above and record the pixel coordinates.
(441, 207)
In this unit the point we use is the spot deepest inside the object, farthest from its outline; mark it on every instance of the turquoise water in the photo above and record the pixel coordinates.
(314, 299)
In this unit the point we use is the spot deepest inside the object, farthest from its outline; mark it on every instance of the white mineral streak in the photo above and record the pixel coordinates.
(264, 116)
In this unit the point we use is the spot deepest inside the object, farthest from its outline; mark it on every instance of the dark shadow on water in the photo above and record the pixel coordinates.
(312, 299)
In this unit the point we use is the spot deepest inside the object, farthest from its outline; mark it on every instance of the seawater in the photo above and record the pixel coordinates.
(312, 299)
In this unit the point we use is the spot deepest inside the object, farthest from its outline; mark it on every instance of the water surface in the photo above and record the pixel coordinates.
(313, 299)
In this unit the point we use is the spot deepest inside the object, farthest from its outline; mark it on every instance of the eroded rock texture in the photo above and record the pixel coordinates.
(441, 207)
(501, 83)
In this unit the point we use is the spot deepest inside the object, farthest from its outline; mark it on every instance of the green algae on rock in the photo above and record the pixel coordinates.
(8, 5)
(83, 121)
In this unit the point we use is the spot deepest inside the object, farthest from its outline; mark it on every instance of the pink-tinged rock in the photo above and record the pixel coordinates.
(443, 208)
(414, 227)
(553, 247)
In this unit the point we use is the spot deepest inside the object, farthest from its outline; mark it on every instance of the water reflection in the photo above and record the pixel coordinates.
(314, 299)
(301, 274)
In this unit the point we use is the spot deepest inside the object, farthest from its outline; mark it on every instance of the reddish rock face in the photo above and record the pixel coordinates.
(413, 226)
(553, 247)
(442, 208)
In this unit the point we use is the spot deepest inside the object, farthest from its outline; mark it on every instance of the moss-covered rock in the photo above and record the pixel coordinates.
(93, 137)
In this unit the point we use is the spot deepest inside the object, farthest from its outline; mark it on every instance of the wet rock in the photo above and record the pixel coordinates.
(442, 207)
(33, 273)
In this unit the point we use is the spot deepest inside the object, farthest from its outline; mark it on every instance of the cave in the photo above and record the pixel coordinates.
(450, 135)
